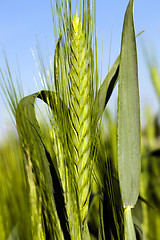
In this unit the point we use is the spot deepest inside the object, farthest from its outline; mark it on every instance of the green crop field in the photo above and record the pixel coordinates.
(82, 174)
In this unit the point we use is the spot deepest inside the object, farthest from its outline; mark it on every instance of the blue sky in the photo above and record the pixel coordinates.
(22, 22)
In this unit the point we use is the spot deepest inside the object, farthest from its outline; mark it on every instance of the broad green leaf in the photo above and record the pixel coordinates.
(128, 115)
(106, 89)
(46, 176)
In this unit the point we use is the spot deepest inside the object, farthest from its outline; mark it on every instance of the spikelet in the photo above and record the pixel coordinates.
(80, 114)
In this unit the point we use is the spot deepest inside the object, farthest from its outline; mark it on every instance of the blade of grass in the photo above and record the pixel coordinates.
(106, 89)
(45, 173)
(128, 122)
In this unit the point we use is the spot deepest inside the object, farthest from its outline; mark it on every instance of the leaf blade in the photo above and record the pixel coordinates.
(106, 89)
(47, 179)
(128, 116)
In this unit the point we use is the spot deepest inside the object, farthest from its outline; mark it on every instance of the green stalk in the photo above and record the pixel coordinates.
(129, 232)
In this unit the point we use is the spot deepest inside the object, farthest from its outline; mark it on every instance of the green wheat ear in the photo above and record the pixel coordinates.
(80, 114)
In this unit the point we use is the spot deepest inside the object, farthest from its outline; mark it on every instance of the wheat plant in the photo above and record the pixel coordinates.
(59, 175)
